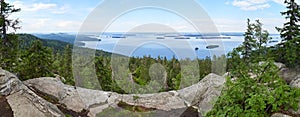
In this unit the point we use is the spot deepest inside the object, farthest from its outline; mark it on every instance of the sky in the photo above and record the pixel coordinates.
(45, 16)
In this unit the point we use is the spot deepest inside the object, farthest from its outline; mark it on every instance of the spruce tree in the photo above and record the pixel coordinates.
(290, 29)
(9, 42)
(66, 62)
(249, 42)
(288, 48)
(262, 38)
(36, 62)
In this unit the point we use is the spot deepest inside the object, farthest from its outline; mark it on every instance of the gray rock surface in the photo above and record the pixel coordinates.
(280, 115)
(9, 83)
(289, 74)
(203, 93)
(296, 83)
(24, 102)
(77, 99)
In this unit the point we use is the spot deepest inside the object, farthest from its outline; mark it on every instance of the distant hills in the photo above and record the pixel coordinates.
(64, 37)
(56, 44)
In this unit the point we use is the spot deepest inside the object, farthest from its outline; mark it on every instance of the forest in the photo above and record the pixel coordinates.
(244, 95)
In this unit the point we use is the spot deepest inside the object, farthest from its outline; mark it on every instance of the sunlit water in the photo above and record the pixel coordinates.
(149, 45)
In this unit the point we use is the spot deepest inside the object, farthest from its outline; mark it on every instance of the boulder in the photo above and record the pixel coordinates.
(203, 93)
(24, 102)
(9, 83)
(77, 99)
(280, 115)
(295, 83)
(74, 98)
(288, 74)
(161, 101)
(280, 65)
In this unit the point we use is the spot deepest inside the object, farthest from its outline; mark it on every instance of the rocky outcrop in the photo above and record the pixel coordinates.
(199, 95)
(22, 101)
(203, 93)
(280, 115)
(295, 83)
(287, 74)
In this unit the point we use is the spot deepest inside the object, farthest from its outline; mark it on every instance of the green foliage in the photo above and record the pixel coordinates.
(9, 53)
(147, 79)
(254, 88)
(36, 62)
(259, 94)
(66, 66)
(291, 28)
(288, 49)
(8, 42)
(5, 23)
(252, 49)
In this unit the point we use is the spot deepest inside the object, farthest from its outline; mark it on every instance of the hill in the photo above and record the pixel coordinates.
(64, 37)
(55, 45)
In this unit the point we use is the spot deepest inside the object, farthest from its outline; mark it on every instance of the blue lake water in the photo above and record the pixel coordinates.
(149, 45)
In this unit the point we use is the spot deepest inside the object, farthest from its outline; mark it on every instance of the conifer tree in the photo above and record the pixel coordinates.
(288, 48)
(249, 42)
(290, 29)
(262, 38)
(36, 62)
(66, 62)
(9, 42)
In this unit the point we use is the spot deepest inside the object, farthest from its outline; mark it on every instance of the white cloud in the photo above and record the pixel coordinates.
(250, 5)
(282, 2)
(65, 24)
(61, 10)
(36, 7)
(239, 25)
(41, 6)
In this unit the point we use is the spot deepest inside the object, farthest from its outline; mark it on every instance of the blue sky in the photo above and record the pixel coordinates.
(45, 16)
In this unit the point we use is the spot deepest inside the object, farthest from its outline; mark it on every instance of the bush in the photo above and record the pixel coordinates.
(260, 93)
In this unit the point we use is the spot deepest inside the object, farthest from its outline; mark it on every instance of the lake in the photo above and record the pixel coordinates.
(139, 45)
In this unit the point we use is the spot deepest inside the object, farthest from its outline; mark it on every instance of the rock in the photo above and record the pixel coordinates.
(94, 101)
(204, 92)
(280, 65)
(280, 115)
(226, 74)
(295, 83)
(288, 74)
(162, 101)
(24, 102)
(9, 83)
(76, 99)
